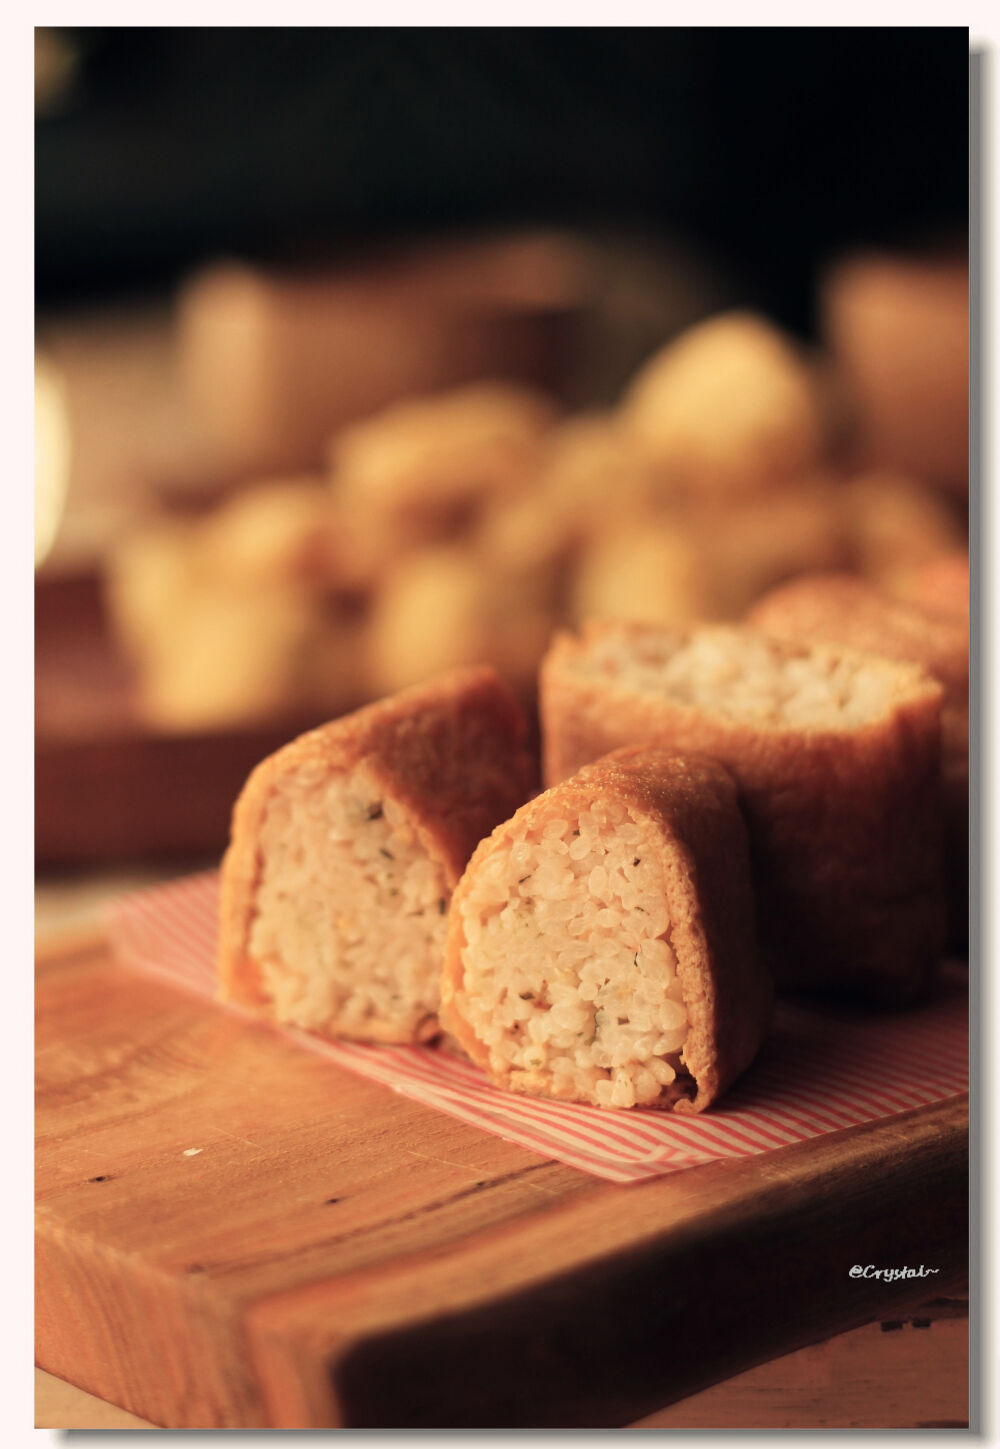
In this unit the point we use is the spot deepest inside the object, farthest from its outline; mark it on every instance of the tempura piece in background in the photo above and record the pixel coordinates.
(441, 608)
(423, 469)
(594, 466)
(750, 545)
(273, 530)
(730, 406)
(894, 524)
(247, 614)
(898, 328)
(650, 570)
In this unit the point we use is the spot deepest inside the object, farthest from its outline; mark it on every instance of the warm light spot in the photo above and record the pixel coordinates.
(52, 455)
(57, 62)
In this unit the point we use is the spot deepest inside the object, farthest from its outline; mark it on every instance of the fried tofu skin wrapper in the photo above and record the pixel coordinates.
(837, 757)
(841, 610)
(601, 944)
(940, 585)
(346, 845)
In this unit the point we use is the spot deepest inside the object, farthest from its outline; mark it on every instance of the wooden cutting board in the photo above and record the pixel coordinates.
(232, 1232)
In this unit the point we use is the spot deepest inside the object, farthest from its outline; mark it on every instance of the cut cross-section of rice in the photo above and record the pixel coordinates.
(601, 943)
(837, 756)
(346, 847)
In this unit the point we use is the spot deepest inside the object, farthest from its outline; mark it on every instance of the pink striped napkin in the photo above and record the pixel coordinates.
(824, 1068)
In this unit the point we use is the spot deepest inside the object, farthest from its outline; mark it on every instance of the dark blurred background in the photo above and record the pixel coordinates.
(769, 150)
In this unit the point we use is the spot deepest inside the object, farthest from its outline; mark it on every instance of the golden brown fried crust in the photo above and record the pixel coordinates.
(846, 611)
(844, 824)
(452, 752)
(688, 809)
(941, 585)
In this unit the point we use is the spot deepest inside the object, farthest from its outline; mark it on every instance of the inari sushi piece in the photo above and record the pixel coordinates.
(837, 757)
(346, 846)
(841, 610)
(601, 944)
(940, 585)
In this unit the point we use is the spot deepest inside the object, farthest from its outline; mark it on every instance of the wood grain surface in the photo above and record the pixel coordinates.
(235, 1233)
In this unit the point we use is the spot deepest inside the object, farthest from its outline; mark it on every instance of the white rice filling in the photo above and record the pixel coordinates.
(350, 911)
(569, 976)
(745, 676)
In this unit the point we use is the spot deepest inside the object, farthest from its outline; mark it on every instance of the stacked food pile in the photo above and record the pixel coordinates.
(727, 807)
(467, 526)
(598, 946)
(751, 667)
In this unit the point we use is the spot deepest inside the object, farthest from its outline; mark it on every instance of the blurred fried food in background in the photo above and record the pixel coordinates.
(424, 468)
(896, 524)
(246, 372)
(940, 585)
(271, 364)
(730, 406)
(235, 618)
(468, 524)
(324, 406)
(898, 329)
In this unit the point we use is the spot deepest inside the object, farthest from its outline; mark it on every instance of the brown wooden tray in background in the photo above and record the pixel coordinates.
(107, 788)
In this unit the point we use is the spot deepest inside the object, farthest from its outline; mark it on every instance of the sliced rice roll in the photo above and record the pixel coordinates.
(841, 610)
(346, 847)
(601, 943)
(837, 757)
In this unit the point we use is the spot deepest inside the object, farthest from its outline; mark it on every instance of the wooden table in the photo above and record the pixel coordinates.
(235, 1233)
